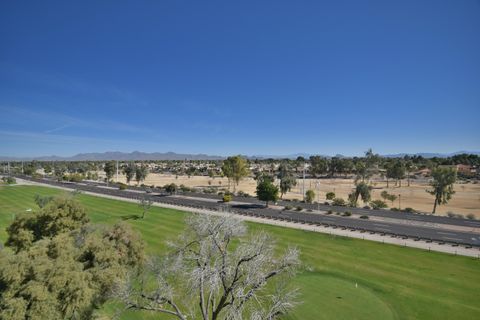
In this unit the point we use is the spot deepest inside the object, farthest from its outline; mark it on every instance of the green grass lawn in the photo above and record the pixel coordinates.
(393, 282)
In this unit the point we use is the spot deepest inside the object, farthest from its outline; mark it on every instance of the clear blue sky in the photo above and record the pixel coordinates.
(250, 77)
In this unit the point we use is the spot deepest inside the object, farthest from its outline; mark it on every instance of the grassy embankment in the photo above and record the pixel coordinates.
(393, 282)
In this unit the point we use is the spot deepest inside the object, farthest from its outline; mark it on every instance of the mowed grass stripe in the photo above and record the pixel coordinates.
(392, 282)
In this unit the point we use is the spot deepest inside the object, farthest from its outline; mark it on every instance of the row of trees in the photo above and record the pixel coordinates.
(441, 187)
(131, 170)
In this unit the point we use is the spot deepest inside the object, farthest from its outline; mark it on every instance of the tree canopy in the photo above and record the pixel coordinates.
(442, 185)
(267, 191)
(235, 169)
(60, 266)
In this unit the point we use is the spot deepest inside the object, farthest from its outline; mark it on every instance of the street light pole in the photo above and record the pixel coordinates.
(303, 191)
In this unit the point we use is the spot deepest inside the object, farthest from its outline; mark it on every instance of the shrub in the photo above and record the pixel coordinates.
(329, 212)
(326, 203)
(450, 214)
(366, 207)
(409, 210)
(347, 214)
(227, 198)
(460, 216)
(378, 204)
(242, 194)
(330, 195)
(471, 216)
(309, 210)
(170, 188)
(299, 208)
(394, 209)
(220, 193)
(338, 202)
(363, 217)
(9, 180)
(184, 188)
(209, 190)
(309, 196)
(122, 186)
(74, 177)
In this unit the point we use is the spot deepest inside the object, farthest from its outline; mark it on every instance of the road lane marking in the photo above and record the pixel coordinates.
(455, 239)
(447, 233)
(381, 225)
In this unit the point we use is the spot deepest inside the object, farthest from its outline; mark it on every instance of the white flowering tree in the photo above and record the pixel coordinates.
(215, 270)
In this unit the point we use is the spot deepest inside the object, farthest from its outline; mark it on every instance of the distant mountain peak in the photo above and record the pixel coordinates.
(144, 156)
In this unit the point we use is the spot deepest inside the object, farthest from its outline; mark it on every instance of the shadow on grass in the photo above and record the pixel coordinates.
(131, 217)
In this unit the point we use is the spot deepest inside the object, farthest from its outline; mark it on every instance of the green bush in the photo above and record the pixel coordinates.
(309, 196)
(170, 188)
(184, 188)
(347, 214)
(288, 208)
(471, 216)
(242, 194)
(299, 208)
(122, 186)
(409, 210)
(329, 212)
(227, 197)
(330, 195)
(363, 217)
(338, 202)
(9, 180)
(378, 204)
(394, 209)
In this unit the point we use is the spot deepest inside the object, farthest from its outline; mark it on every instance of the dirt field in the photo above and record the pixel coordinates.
(466, 199)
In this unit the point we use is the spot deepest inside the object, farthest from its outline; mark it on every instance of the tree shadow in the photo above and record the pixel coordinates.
(131, 217)
(248, 206)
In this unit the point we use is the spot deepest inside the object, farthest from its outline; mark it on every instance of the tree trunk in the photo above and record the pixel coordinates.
(434, 206)
(266, 204)
(387, 182)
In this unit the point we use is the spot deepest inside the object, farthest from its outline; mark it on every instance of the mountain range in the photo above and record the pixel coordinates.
(137, 155)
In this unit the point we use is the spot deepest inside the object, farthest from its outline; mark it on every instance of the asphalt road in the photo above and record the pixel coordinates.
(253, 207)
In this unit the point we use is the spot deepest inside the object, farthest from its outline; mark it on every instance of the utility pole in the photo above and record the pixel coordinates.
(399, 202)
(303, 191)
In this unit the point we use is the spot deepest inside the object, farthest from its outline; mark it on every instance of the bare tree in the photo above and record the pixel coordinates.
(205, 276)
(146, 204)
